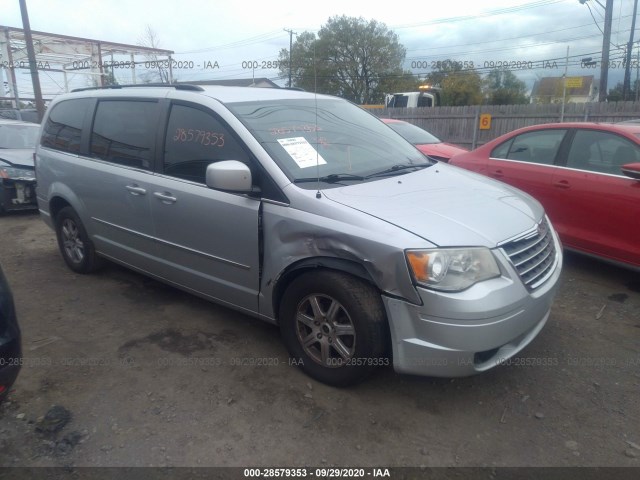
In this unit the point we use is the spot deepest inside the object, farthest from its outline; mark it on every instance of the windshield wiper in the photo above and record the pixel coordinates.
(397, 168)
(332, 178)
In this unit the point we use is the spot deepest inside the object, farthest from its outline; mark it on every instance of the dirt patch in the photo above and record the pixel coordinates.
(154, 376)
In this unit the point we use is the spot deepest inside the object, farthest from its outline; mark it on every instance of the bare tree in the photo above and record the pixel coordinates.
(159, 71)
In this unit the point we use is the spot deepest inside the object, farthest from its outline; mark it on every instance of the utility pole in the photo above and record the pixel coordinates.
(564, 85)
(638, 74)
(627, 68)
(606, 42)
(291, 34)
(32, 59)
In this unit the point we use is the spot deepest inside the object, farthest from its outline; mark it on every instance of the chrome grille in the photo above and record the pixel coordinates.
(533, 255)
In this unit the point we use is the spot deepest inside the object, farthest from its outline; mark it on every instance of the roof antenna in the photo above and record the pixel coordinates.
(315, 98)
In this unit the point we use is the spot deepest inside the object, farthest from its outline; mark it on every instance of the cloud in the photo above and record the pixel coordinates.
(243, 32)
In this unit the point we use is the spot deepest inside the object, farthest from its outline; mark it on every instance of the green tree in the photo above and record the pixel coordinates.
(443, 69)
(502, 87)
(615, 93)
(405, 82)
(305, 70)
(460, 86)
(350, 57)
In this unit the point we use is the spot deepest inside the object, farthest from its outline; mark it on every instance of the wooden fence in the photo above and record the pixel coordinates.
(459, 125)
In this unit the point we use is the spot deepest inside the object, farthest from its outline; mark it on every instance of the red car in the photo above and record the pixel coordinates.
(586, 175)
(425, 142)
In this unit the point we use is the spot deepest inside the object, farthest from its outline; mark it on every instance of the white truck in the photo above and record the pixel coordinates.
(423, 98)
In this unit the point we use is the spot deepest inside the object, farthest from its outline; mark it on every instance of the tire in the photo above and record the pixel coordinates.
(75, 245)
(343, 321)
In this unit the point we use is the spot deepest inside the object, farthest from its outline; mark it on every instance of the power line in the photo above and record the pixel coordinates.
(503, 39)
(240, 43)
(487, 13)
(594, 18)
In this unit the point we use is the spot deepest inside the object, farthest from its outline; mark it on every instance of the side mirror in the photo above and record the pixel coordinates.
(230, 175)
(632, 170)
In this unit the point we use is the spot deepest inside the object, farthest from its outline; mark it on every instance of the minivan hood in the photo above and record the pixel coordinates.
(445, 205)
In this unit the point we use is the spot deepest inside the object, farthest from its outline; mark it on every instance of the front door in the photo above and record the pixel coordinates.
(207, 240)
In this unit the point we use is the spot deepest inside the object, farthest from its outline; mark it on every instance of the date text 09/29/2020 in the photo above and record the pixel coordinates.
(328, 472)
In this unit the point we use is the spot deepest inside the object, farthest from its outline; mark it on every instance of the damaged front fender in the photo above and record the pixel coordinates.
(297, 239)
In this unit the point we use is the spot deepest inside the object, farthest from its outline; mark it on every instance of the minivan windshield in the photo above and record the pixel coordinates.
(329, 139)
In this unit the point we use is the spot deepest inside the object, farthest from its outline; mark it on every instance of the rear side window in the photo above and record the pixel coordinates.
(63, 128)
(601, 152)
(124, 131)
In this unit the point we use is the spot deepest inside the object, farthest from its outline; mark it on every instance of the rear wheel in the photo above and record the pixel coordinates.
(334, 327)
(74, 243)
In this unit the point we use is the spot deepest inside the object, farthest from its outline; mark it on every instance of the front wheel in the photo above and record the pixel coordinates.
(334, 327)
(75, 245)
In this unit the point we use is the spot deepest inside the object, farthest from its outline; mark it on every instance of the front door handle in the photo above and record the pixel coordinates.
(497, 173)
(166, 197)
(136, 190)
(562, 184)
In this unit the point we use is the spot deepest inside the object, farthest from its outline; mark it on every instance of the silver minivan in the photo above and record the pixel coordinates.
(305, 211)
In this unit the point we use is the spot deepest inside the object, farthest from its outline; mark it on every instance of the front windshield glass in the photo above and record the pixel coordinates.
(413, 133)
(328, 138)
(19, 136)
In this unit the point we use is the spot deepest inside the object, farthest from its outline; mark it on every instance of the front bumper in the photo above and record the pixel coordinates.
(464, 333)
(17, 194)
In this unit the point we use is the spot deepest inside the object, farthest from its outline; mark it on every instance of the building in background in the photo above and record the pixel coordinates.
(581, 89)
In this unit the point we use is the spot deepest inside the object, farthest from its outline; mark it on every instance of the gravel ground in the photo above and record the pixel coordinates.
(120, 370)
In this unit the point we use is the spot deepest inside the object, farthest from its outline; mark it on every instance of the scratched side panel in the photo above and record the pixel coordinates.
(322, 228)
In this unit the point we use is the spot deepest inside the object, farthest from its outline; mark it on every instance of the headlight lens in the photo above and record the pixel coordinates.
(452, 269)
(16, 173)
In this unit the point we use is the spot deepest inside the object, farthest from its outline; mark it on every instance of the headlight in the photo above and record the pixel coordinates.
(16, 173)
(452, 269)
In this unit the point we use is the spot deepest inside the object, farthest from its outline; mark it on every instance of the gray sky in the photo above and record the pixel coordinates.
(531, 36)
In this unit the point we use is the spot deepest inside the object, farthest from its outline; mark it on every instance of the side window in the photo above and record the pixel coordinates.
(424, 101)
(63, 128)
(601, 152)
(400, 101)
(195, 139)
(501, 150)
(536, 147)
(124, 131)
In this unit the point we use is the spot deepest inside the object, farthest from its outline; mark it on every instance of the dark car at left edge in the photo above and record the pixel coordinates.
(10, 349)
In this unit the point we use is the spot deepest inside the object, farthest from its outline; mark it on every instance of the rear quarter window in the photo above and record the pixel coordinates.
(63, 127)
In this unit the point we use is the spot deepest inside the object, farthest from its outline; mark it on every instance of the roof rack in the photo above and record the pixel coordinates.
(177, 86)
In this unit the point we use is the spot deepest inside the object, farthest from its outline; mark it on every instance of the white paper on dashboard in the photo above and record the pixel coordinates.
(302, 152)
